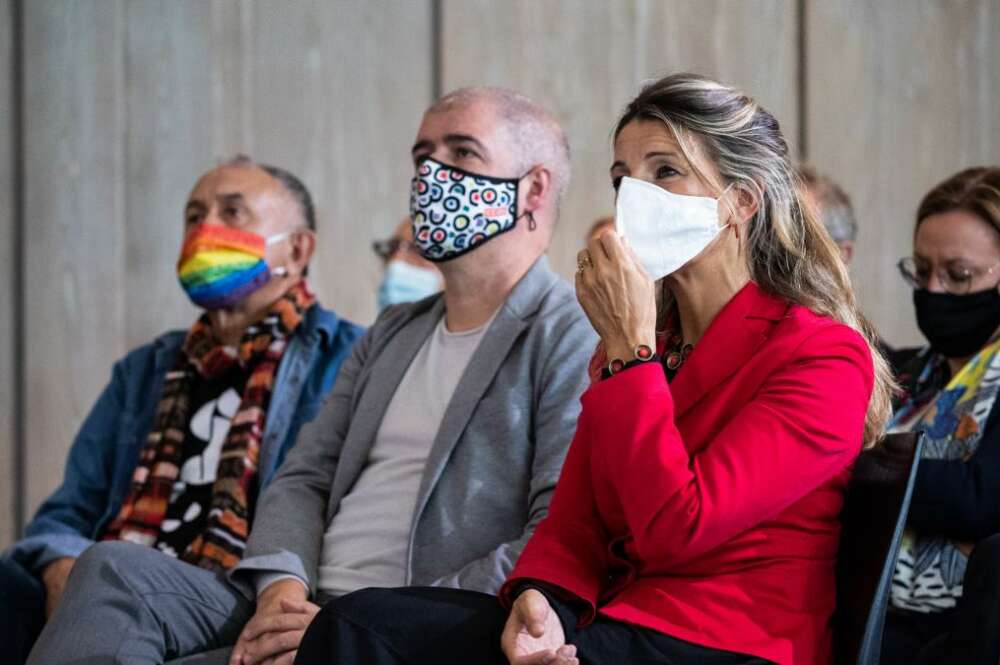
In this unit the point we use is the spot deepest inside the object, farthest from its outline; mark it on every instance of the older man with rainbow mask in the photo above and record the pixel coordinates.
(195, 423)
(440, 446)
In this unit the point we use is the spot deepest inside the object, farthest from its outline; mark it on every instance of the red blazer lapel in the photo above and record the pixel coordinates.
(734, 335)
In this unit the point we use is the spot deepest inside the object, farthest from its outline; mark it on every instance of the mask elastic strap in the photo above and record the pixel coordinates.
(277, 237)
(279, 271)
(718, 200)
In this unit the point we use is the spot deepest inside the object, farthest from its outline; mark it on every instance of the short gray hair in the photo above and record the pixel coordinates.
(537, 136)
(835, 209)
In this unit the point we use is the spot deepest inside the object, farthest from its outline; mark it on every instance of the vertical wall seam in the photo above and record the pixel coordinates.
(121, 194)
(802, 45)
(437, 57)
(17, 278)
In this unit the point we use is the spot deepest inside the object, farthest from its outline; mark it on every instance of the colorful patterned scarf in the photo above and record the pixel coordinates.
(930, 569)
(221, 544)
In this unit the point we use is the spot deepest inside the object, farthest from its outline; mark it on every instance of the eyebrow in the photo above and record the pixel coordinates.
(449, 139)
(960, 260)
(649, 155)
(231, 199)
(464, 138)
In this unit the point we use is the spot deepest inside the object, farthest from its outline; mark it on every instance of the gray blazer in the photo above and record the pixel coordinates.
(492, 468)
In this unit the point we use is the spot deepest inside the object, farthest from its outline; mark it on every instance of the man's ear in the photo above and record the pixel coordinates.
(537, 183)
(303, 245)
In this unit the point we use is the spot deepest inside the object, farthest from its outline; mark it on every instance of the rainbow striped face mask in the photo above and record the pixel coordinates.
(220, 266)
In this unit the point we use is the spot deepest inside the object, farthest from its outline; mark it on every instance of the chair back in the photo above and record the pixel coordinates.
(875, 510)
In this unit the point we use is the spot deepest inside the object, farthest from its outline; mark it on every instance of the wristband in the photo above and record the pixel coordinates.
(642, 353)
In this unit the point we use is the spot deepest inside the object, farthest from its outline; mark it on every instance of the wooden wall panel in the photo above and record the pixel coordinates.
(901, 94)
(585, 60)
(8, 327)
(341, 110)
(183, 107)
(206, 81)
(74, 127)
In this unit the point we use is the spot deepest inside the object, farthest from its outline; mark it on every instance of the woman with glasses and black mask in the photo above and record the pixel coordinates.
(946, 587)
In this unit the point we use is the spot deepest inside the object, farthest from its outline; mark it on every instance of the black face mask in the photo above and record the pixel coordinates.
(957, 326)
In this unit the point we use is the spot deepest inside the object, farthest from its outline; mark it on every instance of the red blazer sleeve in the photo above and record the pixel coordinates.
(803, 426)
(567, 550)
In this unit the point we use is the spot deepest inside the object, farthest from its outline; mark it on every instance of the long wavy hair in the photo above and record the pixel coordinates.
(788, 252)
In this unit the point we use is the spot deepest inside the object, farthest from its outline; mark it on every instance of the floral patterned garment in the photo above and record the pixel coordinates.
(930, 568)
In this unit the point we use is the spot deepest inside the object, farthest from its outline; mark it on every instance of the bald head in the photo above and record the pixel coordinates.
(533, 133)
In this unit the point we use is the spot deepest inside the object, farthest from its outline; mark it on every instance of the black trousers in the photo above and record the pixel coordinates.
(433, 626)
(22, 611)
(968, 634)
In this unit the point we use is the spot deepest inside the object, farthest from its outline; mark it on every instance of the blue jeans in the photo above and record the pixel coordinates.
(22, 611)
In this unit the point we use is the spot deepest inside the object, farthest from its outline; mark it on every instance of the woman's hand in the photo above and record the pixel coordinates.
(617, 295)
(533, 634)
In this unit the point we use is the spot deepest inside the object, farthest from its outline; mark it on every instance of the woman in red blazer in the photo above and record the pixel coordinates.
(697, 516)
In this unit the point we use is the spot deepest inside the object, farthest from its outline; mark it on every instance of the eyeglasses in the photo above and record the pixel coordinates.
(384, 249)
(956, 280)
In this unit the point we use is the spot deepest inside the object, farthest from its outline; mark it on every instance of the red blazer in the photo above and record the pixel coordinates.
(708, 509)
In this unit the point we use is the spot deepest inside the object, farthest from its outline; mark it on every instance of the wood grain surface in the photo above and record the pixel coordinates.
(901, 95)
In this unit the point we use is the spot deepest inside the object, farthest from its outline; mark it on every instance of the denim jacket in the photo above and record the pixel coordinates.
(106, 450)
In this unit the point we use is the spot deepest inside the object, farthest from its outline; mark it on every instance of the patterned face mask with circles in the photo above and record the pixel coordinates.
(454, 211)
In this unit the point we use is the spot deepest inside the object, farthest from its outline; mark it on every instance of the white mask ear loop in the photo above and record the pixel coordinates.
(719, 201)
(280, 271)
(277, 237)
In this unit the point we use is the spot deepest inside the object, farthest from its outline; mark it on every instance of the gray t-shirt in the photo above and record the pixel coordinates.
(367, 541)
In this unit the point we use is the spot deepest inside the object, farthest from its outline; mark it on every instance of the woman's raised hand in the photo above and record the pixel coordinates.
(617, 295)
(534, 635)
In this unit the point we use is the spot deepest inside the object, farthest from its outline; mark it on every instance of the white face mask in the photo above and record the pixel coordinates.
(666, 230)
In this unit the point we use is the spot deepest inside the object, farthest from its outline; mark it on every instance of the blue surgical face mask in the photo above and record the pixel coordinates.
(404, 282)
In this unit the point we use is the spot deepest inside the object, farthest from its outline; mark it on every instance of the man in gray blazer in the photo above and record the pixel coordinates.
(439, 447)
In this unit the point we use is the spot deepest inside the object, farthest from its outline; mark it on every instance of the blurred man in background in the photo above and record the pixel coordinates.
(834, 208)
(406, 275)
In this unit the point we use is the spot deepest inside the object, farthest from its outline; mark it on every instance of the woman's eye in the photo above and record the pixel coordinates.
(665, 172)
(959, 276)
(464, 152)
(923, 273)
